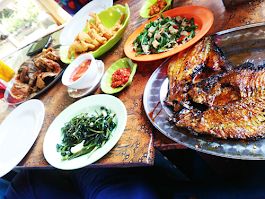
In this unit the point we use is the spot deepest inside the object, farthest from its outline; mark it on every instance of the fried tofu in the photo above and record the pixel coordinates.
(95, 36)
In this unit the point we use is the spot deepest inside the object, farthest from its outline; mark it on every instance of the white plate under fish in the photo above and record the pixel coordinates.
(78, 22)
(18, 132)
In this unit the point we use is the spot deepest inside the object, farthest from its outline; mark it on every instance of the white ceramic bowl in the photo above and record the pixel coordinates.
(88, 77)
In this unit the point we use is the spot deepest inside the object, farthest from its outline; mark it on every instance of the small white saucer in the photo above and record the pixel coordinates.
(77, 93)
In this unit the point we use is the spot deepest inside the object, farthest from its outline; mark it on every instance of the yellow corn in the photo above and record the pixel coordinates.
(6, 73)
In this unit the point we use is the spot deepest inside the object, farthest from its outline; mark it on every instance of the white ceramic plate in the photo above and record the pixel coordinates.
(18, 132)
(78, 22)
(89, 105)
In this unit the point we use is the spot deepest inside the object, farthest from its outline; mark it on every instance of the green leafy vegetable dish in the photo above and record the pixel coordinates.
(84, 134)
(144, 12)
(107, 77)
(108, 17)
(164, 34)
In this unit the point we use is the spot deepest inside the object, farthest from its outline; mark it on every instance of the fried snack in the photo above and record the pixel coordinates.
(83, 42)
(118, 24)
(85, 39)
(107, 33)
(97, 34)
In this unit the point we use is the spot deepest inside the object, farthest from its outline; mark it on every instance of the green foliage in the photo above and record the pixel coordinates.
(27, 13)
(6, 13)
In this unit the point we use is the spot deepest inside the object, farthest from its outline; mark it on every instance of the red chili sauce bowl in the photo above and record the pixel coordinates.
(80, 70)
(81, 73)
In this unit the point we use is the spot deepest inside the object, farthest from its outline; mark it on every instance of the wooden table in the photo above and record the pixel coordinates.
(135, 147)
(139, 140)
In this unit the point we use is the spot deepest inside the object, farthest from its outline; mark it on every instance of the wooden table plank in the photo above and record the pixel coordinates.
(135, 147)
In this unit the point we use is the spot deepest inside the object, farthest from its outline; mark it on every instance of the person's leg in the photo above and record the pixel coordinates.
(111, 183)
(40, 184)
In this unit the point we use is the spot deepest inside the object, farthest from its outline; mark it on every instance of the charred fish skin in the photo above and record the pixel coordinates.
(192, 66)
(244, 119)
(212, 98)
(249, 80)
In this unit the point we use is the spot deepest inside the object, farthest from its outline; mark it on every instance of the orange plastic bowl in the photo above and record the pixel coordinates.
(203, 17)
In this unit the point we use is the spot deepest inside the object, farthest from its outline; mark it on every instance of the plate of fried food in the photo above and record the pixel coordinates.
(151, 8)
(77, 23)
(99, 35)
(34, 76)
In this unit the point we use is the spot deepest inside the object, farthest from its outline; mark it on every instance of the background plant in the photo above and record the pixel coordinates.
(26, 12)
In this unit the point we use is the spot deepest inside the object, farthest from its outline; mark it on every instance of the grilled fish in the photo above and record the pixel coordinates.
(243, 119)
(191, 66)
(211, 98)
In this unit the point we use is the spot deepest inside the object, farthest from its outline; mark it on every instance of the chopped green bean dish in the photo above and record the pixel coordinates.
(85, 134)
(164, 34)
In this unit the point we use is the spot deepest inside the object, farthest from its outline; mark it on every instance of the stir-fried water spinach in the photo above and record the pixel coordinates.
(85, 134)
(164, 34)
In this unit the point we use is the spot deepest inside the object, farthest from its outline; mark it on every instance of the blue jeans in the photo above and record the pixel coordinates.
(82, 183)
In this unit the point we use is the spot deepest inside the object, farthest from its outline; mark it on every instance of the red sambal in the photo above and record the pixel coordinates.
(120, 77)
(80, 70)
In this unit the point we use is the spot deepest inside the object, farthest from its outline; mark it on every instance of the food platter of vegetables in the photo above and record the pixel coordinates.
(84, 132)
(168, 33)
(164, 34)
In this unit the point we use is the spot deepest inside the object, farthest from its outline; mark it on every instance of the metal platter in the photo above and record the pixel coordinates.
(240, 44)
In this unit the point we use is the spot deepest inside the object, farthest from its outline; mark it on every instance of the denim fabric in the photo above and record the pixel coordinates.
(84, 183)
(30, 184)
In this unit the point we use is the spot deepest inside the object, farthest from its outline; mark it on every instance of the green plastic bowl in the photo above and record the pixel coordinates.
(107, 77)
(144, 12)
(108, 17)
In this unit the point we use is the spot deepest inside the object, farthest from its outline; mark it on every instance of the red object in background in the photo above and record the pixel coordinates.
(2, 90)
(10, 99)
(84, 2)
(2, 86)
(2, 93)
(120, 77)
(71, 5)
(13, 100)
